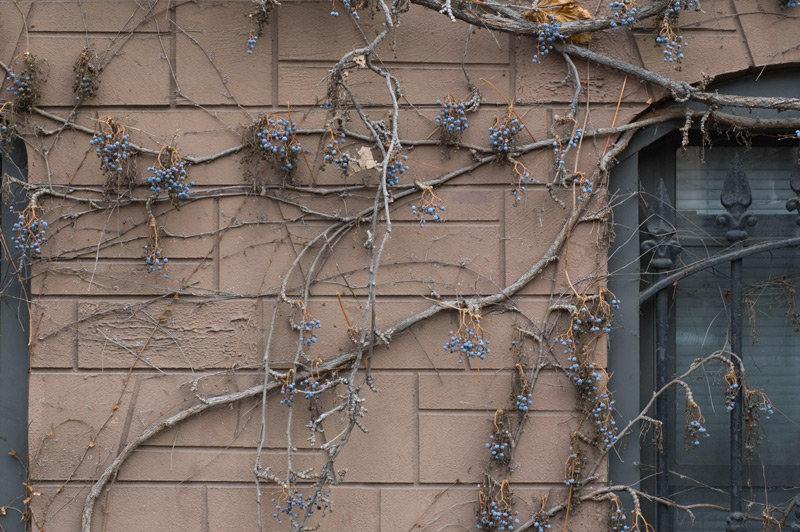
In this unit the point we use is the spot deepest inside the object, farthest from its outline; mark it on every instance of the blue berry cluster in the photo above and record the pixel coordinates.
(395, 170)
(695, 424)
(308, 325)
(154, 259)
(499, 444)
(276, 141)
(541, 521)
(523, 180)
(251, 41)
(501, 451)
(430, 205)
(307, 330)
(541, 524)
(756, 404)
(617, 519)
(259, 18)
(730, 391)
(624, 12)
(504, 135)
(572, 470)
(673, 42)
(468, 340)
(791, 3)
(87, 80)
(521, 388)
(673, 47)
(29, 231)
(523, 401)
(170, 174)
(25, 85)
(591, 318)
(452, 120)
(560, 150)
(349, 6)
(311, 387)
(584, 186)
(292, 502)
(333, 153)
(546, 34)
(113, 148)
(287, 390)
(497, 516)
(421, 211)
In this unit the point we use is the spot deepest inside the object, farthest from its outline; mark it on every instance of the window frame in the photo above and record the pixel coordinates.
(14, 356)
(632, 349)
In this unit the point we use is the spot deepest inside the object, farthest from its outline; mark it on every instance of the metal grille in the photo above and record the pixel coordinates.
(662, 247)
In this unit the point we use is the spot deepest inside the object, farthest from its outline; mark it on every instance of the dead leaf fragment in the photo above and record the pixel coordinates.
(365, 159)
(562, 11)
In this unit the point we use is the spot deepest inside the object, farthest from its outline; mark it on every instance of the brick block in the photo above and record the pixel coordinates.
(462, 258)
(194, 132)
(711, 17)
(126, 508)
(169, 334)
(306, 84)
(233, 427)
(207, 465)
(420, 37)
(119, 278)
(213, 66)
(123, 232)
(729, 48)
(551, 81)
(387, 452)
(66, 414)
(13, 16)
(136, 73)
(231, 509)
(532, 227)
(148, 508)
(54, 333)
(552, 391)
(419, 508)
(762, 22)
(539, 457)
(95, 17)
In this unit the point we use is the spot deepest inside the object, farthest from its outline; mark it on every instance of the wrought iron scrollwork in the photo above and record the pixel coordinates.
(794, 181)
(736, 198)
(660, 225)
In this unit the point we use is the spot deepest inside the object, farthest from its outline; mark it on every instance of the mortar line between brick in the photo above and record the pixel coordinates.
(129, 414)
(204, 509)
(239, 484)
(76, 339)
(503, 239)
(173, 55)
(275, 53)
(512, 61)
(217, 238)
(416, 429)
(743, 33)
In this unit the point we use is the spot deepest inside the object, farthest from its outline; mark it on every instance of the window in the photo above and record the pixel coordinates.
(13, 357)
(697, 312)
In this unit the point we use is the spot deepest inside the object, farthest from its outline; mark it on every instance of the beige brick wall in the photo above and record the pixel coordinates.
(114, 349)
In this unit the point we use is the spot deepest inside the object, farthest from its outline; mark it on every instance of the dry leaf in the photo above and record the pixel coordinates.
(562, 11)
(365, 159)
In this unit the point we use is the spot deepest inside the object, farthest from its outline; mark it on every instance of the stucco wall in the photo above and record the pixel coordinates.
(115, 349)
